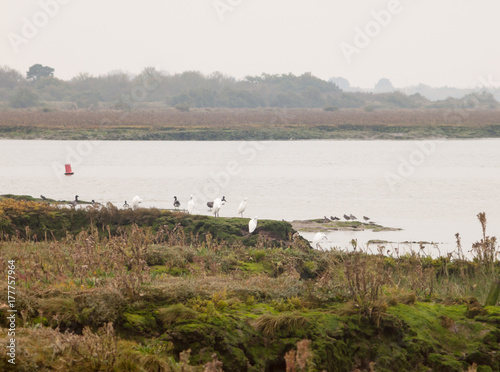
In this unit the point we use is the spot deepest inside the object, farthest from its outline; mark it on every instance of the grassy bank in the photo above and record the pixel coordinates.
(136, 295)
(248, 124)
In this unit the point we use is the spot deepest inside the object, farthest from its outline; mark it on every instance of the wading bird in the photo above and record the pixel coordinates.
(242, 207)
(177, 203)
(334, 218)
(135, 202)
(191, 204)
(353, 217)
(43, 197)
(125, 205)
(317, 240)
(217, 206)
(347, 217)
(366, 218)
(252, 225)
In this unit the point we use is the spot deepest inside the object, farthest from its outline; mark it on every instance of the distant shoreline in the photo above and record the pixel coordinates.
(263, 124)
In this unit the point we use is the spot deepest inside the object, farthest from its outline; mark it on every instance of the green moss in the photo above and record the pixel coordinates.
(139, 323)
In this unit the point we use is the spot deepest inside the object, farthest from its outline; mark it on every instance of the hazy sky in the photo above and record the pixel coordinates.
(435, 42)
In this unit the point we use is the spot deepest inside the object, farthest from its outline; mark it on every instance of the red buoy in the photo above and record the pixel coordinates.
(69, 172)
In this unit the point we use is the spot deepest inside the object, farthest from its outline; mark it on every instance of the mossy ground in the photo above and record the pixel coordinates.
(153, 295)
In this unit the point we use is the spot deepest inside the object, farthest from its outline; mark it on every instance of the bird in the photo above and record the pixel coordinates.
(353, 217)
(126, 205)
(366, 218)
(217, 204)
(94, 203)
(135, 202)
(210, 205)
(326, 219)
(191, 204)
(252, 224)
(317, 240)
(242, 207)
(74, 203)
(334, 218)
(347, 217)
(43, 197)
(177, 203)
(223, 200)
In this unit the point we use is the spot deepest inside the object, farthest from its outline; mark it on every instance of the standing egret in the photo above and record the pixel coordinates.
(217, 206)
(135, 202)
(252, 225)
(317, 240)
(242, 207)
(191, 204)
(177, 203)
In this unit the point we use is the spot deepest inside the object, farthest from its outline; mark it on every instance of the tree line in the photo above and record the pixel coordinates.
(192, 89)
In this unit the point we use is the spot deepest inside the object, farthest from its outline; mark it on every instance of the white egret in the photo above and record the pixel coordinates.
(217, 206)
(252, 224)
(135, 202)
(177, 203)
(191, 204)
(242, 207)
(317, 240)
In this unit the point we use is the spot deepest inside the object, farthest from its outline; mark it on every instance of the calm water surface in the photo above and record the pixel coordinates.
(431, 195)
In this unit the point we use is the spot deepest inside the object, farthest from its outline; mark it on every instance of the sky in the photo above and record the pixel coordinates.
(433, 42)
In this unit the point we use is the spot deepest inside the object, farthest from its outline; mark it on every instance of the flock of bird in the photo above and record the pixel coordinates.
(346, 217)
(213, 206)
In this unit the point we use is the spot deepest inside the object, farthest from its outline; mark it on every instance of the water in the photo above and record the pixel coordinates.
(431, 190)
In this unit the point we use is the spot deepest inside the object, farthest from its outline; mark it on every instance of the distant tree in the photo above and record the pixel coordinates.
(38, 71)
(341, 82)
(23, 97)
(384, 85)
(9, 78)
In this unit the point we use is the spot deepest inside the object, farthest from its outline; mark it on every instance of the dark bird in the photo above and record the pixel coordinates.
(334, 218)
(94, 203)
(347, 217)
(43, 197)
(210, 204)
(366, 218)
(353, 217)
(177, 203)
(326, 219)
(126, 205)
(74, 203)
